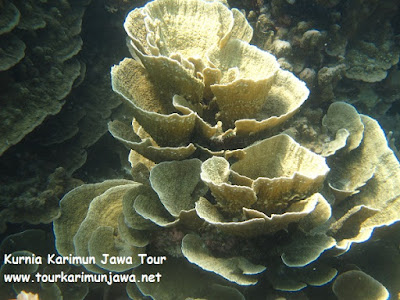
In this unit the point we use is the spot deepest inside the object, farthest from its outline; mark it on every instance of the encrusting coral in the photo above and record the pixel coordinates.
(38, 63)
(204, 164)
(28, 105)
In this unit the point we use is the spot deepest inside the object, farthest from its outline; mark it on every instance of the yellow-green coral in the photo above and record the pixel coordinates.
(269, 174)
(212, 75)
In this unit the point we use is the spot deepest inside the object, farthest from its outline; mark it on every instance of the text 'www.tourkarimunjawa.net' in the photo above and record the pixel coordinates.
(82, 277)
